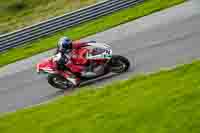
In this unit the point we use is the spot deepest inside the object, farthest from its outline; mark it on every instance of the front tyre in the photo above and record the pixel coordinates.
(119, 64)
(59, 82)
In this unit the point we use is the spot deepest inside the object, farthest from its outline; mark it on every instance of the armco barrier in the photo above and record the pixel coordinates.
(36, 31)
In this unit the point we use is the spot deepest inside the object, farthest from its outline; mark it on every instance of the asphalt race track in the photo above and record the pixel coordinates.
(161, 40)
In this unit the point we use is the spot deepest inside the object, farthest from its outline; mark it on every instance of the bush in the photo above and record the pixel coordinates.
(17, 5)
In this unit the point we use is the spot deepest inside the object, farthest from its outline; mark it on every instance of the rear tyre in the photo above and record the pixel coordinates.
(59, 82)
(119, 64)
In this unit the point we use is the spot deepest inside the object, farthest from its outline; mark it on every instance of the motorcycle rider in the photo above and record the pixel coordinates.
(69, 50)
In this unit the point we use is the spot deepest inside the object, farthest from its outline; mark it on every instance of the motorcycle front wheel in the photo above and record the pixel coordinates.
(59, 82)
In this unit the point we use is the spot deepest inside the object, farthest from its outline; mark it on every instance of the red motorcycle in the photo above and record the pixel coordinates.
(102, 55)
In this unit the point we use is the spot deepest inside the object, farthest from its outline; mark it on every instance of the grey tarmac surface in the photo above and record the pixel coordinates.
(155, 42)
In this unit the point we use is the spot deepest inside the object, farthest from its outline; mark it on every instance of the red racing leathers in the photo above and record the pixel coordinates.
(77, 61)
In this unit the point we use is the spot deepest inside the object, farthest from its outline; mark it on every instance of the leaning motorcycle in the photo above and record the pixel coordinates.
(102, 54)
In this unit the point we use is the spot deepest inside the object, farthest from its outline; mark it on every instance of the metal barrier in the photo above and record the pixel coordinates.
(48, 27)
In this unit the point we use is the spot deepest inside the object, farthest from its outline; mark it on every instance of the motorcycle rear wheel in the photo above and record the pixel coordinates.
(119, 64)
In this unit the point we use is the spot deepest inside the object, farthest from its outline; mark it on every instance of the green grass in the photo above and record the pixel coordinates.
(163, 102)
(86, 29)
(17, 14)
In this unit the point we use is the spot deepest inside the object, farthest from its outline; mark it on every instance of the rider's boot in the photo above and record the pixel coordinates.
(71, 77)
(89, 71)
(74, 80)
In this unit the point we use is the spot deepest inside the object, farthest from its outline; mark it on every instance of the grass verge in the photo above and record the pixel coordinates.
(86, 29)
(163, 102)
(16, 14)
